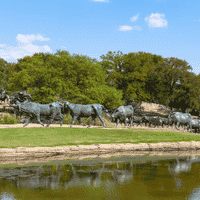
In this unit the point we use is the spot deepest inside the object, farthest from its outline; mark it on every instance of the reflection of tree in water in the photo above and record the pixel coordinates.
(56, 176)
(182, 165)
(72, 175)
(125, 175)
(178, 182)
(105, 174)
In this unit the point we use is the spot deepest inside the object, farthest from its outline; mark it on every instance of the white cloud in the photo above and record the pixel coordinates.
(156, 20)
(24, 47)
(125, 28)
(22, 39)
(134, 18)
(129, 28)
(2, 45)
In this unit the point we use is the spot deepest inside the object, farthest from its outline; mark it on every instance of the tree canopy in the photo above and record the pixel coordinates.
(116, 79)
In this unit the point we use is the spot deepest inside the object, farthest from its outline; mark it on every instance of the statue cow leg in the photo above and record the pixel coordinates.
(149, 124)
(62, 119)
(50, 122)
(176, 126)
(173, 124)
(185, 127)
(117, 122)
(101, 121)
(38, 119)
(27, 121)
(79, 121)
(125, 122)
(74, 119)
(131, 121)
(190, 125)
(92, 122)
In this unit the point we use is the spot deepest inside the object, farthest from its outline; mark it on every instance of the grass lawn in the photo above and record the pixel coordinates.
(61, 136)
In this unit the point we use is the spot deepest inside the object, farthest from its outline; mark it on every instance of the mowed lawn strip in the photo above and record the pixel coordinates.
(49, 137)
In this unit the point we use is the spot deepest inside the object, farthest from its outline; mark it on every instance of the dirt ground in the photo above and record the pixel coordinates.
(135, 127)
(26, 155)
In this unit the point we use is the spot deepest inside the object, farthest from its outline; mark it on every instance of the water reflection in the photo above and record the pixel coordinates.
(179, 167)
(175, 178)
(6, 196)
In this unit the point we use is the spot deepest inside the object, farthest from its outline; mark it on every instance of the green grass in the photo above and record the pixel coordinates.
(60, 136)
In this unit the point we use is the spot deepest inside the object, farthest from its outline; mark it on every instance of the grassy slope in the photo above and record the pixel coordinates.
(41, 137)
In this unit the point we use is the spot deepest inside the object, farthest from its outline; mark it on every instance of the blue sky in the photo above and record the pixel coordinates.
(169, 28)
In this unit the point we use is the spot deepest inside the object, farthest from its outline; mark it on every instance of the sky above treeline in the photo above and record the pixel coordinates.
(169, 28)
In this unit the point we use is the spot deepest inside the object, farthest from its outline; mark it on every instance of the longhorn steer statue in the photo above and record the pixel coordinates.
(195, 124)
(77, 111)
(156, 121)
(70, 108)
(166, 122)
(123, 121)
(122, 113)
(35, 110)
(137, 120)
(145, 120)
(181, 118)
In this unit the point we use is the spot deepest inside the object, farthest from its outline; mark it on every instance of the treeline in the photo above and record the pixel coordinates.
(116, 79)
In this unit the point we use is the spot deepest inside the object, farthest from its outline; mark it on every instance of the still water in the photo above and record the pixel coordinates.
(125, 178)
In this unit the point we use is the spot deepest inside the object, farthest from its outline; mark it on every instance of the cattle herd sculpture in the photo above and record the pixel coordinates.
(23, 105)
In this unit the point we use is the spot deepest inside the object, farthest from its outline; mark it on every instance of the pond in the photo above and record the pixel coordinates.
(138, 177)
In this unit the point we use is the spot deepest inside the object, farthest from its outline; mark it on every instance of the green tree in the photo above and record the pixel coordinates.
(112, 64)
(32, 74)
(137, 67)
(129, 73)
(190, 83)
(76, 78)
(87, 81)
(166, 81)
